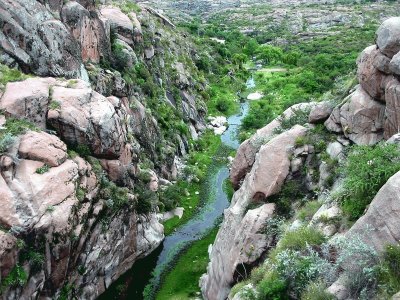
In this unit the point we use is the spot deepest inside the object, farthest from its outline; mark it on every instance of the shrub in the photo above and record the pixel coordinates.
(146, 201)
(8, 75)
(298, 117)
(43, 169)
(272, 287)
(316, 291)
(299, 268)
(16, 127)
(6, 141)
(367, 170)
(358, 262)
(171, 196)
(308, 211)
(17, 277)
(300, 238)
(389, 271)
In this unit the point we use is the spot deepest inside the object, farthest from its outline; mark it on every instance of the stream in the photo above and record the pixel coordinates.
(149, 269)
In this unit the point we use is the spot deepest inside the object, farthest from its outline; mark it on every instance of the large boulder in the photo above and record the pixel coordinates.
(380, 225)
(120, 23)
(43, 147)
(87, 28)
(320, 112)
(388, 36)
(392, 123)
(247, 151)
(86, 117)
(371, 79)
(238, 241)
(362, 118)
(394, 64)
(28, 99)
(36, 41)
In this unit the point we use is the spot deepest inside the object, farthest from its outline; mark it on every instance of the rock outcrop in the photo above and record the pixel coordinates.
(380, 224)
(371, 112)
(239, 241)
(74, 140)
(247, 151)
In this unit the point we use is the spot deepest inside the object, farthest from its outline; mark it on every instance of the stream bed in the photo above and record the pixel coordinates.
(147, 272)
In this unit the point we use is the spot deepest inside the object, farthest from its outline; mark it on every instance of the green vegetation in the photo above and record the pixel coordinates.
(182, 281)
(16, 277)
(300, 239)
(43, 169)
(389, 272)
(187, 194)
(316, 291)
(308, 210)
(9, 75)
(367, 169)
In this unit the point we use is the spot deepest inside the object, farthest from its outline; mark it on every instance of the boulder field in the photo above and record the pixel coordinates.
(273, 156)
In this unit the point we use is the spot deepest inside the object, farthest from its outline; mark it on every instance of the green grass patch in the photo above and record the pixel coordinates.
(308, 210)
(299, 239)
(9, 75)
(183, 281)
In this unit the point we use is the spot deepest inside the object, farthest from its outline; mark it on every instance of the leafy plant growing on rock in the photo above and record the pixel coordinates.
(367, 170)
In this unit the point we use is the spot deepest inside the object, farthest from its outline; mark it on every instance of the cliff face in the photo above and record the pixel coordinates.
(112, 99)
(278, 155)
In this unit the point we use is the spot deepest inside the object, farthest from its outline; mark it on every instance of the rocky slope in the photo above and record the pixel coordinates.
(282, 22)
(112, 99)
(285, 164)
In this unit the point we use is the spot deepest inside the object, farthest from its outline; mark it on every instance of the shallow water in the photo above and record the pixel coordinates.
(151, 267)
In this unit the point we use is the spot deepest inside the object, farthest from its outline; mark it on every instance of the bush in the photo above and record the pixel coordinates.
(298, 117)
(316, 291)
(16, 127)
(389, 271)
(308, 211)
(17, 277)
(300, 238)
(367, 170)
(272, 287)
(6, 141)
(8, 75)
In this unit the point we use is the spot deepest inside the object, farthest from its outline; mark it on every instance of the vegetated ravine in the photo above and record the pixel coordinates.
(146, 274)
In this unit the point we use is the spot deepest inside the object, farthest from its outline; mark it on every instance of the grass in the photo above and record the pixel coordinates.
(9, 75)
(299, 239)
(182, 281)
(307, 212)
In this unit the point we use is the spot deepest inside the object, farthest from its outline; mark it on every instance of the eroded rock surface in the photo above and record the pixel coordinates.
(267, 175)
